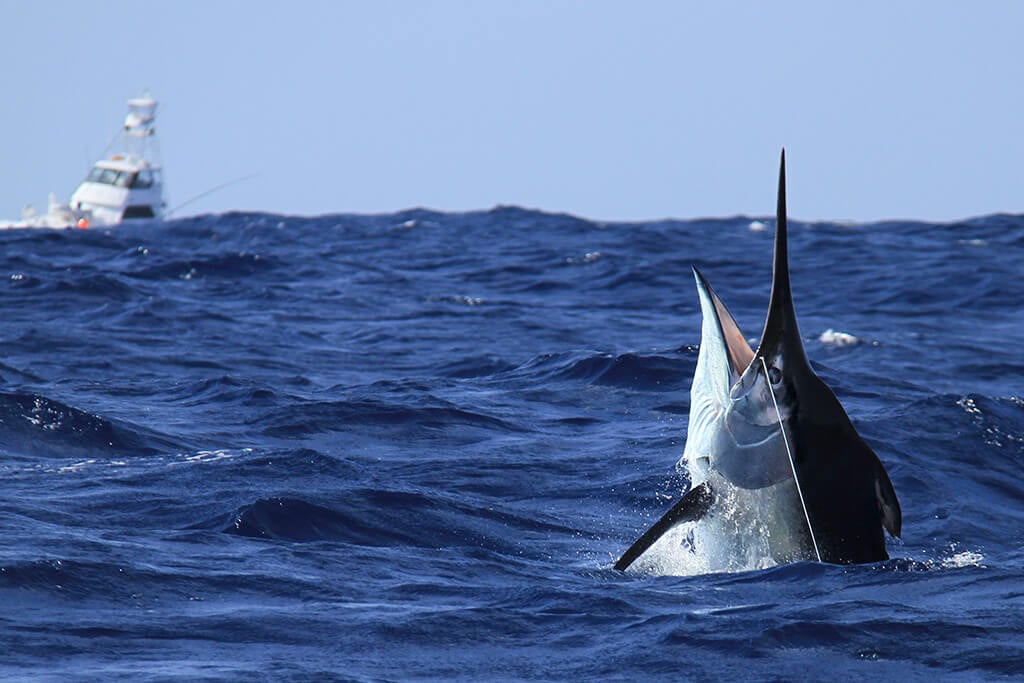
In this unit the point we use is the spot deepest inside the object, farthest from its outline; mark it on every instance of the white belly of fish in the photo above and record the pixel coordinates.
(745, 530)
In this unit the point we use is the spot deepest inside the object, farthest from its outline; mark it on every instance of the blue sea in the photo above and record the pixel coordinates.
(411, 446)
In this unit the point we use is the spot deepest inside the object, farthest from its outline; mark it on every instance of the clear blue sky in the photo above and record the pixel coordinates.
(609, 110)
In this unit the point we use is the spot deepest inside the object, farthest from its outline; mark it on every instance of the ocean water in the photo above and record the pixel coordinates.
(411, 446)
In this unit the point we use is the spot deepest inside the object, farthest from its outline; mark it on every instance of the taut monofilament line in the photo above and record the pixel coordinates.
(792, 461)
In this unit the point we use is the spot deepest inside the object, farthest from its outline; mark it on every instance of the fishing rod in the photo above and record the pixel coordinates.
(211, 191)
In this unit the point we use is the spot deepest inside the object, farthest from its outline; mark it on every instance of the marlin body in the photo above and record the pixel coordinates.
(778, 472)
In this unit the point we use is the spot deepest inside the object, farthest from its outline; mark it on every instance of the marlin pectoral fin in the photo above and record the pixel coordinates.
(888, 505)
(690, 508)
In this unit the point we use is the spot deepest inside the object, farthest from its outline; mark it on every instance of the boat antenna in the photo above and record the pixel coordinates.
(792, 462)
(210, 191)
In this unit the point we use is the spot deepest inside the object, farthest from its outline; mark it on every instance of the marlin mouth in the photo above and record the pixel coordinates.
(737, 348)
(740, 398)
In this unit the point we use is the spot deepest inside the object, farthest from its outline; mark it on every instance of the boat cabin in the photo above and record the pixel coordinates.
(128, 185)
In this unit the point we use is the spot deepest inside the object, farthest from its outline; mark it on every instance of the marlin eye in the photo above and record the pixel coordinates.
(774, 375)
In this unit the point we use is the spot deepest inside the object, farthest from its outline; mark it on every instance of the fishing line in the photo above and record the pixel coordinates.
(209, 192)
(792, 462)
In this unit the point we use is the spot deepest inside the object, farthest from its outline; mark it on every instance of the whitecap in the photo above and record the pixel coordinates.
(839, 339)
(74, 467)
(969, 406)
(462, 300)
(757, 226)
(589, 257)
(211, 456)
(966, 558)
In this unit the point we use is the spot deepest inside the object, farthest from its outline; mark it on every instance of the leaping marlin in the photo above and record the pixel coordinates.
(770, 451)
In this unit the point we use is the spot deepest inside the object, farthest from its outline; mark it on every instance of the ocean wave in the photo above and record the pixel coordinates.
(386, 518)
(34, 425)
(476, 366)
(422, 416)
(424, 437)
(225, 265)
(222, 389)
(643, 372)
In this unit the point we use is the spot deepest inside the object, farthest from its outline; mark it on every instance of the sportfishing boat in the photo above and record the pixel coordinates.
(126, 184)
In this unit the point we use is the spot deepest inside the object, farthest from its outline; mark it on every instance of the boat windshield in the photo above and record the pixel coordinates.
(105, 176)
(108, 176)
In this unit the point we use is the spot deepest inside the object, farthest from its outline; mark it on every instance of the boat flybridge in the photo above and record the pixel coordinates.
(125, 185)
